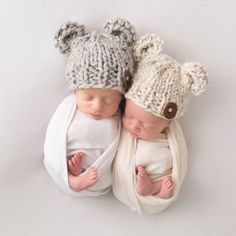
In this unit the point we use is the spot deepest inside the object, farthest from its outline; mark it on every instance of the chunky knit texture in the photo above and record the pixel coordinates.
(97, 60)
(161, 84)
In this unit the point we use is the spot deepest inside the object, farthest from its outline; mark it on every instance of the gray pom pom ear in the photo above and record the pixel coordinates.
(66, 34)
(122, 30)
(148, 43)
(194, 77)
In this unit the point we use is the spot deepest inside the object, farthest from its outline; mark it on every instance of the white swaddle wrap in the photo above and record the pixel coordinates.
(155, 156)
(124, 174)
(55, 152)
(90, 136)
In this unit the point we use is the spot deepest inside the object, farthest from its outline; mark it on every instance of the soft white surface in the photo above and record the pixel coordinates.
(32, 85)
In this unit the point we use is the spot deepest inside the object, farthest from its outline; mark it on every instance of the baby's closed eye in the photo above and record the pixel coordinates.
(108, 101)
(148, 126)
(87, 97)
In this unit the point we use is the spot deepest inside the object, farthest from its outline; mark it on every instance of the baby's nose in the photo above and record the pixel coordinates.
(97, 106)
(135, 126)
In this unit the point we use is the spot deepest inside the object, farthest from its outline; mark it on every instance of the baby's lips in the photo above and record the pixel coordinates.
(133, 135)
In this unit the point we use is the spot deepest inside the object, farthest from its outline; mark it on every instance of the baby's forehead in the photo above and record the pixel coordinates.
(100, 92)
(140, 113)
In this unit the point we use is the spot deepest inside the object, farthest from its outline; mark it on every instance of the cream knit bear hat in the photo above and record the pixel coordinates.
(97, 60)
(161, 84)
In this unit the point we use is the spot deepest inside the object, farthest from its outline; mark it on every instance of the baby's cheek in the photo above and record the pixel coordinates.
(147, 134)
(124, 122)
(114, 107)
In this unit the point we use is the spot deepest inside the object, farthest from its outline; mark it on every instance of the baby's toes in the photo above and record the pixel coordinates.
(73, 161)
(140, 169)
(139, 177)
(142, 175)
(93, 176)
(70, 164)
(76, 158)
(142, 172)
(169, 185)
(167, 180)
(79, 156)
(94, 173)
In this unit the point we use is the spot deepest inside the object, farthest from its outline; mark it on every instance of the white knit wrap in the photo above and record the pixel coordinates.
(55, 152)
(124, 172)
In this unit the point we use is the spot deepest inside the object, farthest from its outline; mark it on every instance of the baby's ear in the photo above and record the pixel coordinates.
(148, 43)
(66, 34)
(194, 77)
(122, 30)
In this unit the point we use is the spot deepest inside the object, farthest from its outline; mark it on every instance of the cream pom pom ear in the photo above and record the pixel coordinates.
(66, 34)
(148, 43)
(122, 30)
(194, 77)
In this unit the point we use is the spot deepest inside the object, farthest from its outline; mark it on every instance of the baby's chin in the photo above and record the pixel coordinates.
(140, 136)
(99, 117)
(96, 117)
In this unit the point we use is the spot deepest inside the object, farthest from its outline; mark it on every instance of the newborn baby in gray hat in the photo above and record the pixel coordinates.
(89, 131)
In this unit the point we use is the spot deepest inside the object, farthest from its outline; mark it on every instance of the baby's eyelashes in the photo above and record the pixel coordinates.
(108, 101)
(148, 126)
(87, 97)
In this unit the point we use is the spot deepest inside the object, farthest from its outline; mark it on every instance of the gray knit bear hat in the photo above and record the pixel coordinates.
(97, 60)
(161, 84)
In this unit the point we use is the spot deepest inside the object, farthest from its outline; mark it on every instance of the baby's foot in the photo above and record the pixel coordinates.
(167, 188)
(144, 184)
(84, 180)
(74, 164)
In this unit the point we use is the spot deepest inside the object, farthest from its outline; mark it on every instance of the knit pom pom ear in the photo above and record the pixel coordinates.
(194, 77)
(66, 34)
(122, 30)
(148, 43)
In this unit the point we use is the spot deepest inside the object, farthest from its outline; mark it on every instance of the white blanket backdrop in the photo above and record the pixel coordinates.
(32, 85)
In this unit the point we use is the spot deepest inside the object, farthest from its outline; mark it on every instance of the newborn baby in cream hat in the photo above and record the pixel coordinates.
(152, 157)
